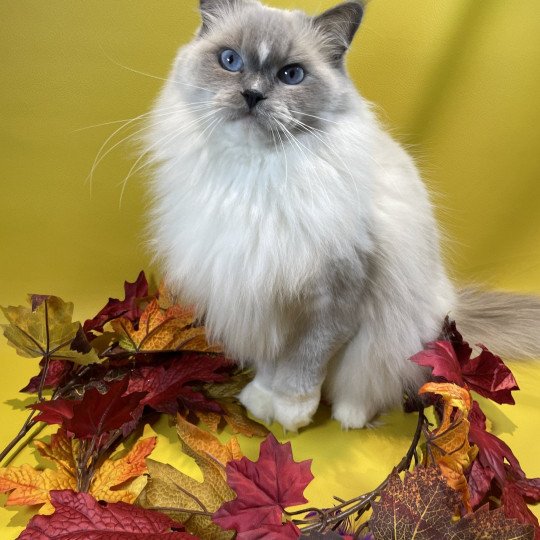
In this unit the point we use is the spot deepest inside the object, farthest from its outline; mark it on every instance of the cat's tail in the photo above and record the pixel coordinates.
(507, 324)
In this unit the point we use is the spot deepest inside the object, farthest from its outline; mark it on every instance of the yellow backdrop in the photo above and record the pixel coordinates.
(456, 80)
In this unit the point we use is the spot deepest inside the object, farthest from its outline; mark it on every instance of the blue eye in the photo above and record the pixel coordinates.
(293, 74)
(230, 60)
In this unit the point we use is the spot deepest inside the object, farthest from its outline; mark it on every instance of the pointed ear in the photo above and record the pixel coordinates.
(212, 10)
(338, 26)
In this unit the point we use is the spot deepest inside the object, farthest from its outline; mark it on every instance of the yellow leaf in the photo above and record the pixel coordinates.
(174, 328)
(169, 488)
(114, 472)
(27, 485)
(448, 446)
(46, 330)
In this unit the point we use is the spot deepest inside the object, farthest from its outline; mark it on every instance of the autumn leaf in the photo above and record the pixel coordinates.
(161, 329)
(263, 490)
(169, 488)
(96, 413)
(498, 470)
(136, 294)
(57, 373)
(27, 486)
(422, 507)
(448, 446)
(78, 515)
(165, 384)
(45, 329)
(451, 360)
(233, 412)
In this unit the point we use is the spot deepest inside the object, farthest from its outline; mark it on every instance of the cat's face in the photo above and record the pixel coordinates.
(267, 70)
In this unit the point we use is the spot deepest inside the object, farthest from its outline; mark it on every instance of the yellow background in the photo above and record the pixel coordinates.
(456, 80)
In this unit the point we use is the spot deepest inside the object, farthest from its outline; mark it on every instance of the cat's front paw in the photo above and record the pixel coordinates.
(294, 412)
(258, 401)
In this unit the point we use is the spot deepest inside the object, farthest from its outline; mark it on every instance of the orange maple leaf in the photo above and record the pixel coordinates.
(174, 328)
(27, 485)
(448, 446)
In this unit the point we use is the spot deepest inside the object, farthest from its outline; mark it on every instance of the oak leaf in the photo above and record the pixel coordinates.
(263, 490)
(45, 329)
(423, 507)
(27, 486)
(169, 488)
(448, 446)
(78, 515)
(161, 329)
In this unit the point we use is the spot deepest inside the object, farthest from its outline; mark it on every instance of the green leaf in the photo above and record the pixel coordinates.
(45, 329)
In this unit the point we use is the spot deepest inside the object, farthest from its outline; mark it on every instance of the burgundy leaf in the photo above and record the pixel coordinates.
(451, 360)
(492, 451)
(96, 413)
(130, 307)
(490, 377)
(57, 411)
(514, 506)
(79, 515)
(479, 482)
(441, 357)
(165, 384)
(56, 375)
(264, 489)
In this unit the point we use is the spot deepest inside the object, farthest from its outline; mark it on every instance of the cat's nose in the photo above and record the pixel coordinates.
(252, 97)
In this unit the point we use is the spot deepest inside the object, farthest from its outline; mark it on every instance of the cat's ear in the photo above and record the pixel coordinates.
(213, 10)
(338, 26)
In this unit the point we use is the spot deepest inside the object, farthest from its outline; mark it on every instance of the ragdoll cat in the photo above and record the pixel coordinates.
(297, 226)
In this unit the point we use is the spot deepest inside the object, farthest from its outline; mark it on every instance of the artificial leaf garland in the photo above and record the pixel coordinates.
(145, 354)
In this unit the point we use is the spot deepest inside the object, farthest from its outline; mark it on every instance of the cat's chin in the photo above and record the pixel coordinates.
(249, 127)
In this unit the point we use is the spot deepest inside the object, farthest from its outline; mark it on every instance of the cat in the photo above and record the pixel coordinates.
(295, 224)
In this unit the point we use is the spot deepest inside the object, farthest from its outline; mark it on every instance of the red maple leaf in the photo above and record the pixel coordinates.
(451, 360)
(57, 374)
(264, 489)
(130, 307)
(96, 413)
(497, 467)
(514, 506)
(166, 384)
(79, 515)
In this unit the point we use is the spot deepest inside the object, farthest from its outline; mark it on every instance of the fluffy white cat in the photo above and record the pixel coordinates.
(297, 226)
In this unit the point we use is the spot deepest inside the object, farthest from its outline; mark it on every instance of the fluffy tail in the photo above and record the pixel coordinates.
(508, 324)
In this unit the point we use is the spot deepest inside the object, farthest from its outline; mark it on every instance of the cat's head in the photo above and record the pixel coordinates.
(264, 69)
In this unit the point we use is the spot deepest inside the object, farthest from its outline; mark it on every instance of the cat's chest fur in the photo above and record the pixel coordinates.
(244, 230)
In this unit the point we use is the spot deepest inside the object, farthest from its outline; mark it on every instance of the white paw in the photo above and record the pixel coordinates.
(353, 416)
(258, 401)
(297, 411)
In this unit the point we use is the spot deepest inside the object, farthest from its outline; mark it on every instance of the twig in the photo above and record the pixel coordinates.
(338, 514)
